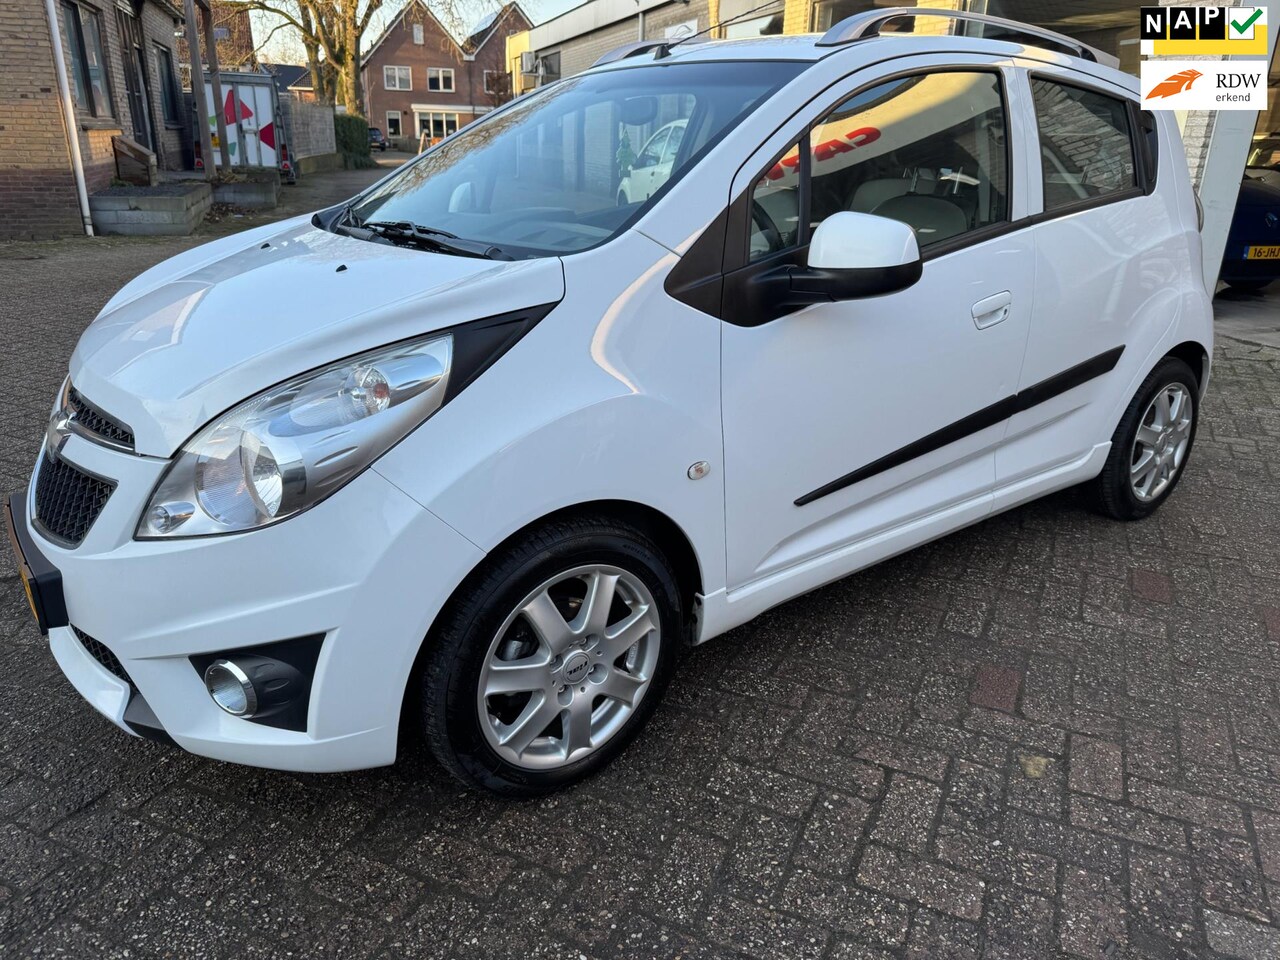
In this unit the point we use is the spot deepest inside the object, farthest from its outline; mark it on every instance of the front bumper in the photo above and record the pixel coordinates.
(368, 569)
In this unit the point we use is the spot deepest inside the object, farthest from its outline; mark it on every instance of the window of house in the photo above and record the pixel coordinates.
(493, 82)
(440, 79)
(417, 33)
(551, 67)
(397, 78)
(88, 61)
(436, 124)
(393, 123)
(928, 150)
(168, 85)
(1086, 146)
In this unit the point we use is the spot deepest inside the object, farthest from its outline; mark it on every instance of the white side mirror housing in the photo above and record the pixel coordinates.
(855, 255)
(858, 241)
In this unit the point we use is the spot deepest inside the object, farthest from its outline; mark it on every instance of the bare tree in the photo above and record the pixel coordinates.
(331, 32)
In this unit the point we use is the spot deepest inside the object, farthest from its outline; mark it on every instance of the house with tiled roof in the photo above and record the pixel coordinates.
(418, 78)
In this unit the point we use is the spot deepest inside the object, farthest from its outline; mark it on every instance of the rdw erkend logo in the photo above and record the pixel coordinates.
(1178, 83)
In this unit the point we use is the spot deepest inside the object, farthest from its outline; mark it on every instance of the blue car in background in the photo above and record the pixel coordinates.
(1252, 258)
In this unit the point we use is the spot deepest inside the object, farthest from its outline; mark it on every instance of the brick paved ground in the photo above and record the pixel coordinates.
(1048, 735)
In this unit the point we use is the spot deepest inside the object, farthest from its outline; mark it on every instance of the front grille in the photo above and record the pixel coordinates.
(68, 500)
(99, 651)
(96, 422)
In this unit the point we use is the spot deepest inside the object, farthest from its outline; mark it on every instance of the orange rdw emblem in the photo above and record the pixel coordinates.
(1178, 83)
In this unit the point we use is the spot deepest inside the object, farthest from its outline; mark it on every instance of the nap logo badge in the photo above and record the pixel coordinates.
(1203, 31)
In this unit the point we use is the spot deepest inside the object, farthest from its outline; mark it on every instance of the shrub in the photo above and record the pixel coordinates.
(352, 134)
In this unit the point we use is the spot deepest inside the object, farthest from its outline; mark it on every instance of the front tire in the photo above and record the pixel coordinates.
(551, 657)
(1151, 446)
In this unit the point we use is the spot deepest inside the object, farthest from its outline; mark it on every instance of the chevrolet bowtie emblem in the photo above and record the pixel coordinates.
(56, 433)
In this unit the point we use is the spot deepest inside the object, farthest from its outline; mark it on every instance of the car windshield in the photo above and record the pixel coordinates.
(560, 170)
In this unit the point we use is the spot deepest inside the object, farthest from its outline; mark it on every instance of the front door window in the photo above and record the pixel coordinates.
(929, 150)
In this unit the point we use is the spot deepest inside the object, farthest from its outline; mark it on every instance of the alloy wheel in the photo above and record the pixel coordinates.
(568, 667)
(1163, 438)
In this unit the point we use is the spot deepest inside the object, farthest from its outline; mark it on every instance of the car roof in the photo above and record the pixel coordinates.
(806, 48)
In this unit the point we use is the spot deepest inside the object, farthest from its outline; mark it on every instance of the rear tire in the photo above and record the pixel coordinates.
(1151, 445)
(528, 685)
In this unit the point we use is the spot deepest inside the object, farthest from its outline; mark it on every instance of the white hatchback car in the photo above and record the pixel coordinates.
(477, 452)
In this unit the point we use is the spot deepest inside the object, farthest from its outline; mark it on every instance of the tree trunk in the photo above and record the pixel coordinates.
(318, 86)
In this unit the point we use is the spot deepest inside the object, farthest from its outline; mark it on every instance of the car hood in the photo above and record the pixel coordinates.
(199, 334)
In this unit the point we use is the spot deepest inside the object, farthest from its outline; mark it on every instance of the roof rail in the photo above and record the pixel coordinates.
(630, 50)
(868, 24)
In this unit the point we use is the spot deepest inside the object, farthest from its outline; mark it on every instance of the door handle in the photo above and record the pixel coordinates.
(991, 310)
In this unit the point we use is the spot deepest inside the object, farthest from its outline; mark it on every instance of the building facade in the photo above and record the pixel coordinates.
(570, 43)
(121, 65)
(419, 79)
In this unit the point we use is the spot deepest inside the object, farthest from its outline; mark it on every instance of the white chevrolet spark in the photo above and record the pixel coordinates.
(471, 456)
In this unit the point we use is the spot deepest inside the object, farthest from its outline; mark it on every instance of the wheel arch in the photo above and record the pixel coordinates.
(1196, 356)
(670, 537)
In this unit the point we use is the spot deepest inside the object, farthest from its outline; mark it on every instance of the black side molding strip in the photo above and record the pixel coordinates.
(986, 417)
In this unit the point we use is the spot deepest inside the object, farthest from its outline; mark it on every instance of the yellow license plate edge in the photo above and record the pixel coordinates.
(1268, 252)
(31, 600)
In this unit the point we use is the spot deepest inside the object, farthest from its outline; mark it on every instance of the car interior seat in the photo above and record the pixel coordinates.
(932, 218)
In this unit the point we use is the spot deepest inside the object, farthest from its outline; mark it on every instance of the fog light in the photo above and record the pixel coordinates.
(231, 688)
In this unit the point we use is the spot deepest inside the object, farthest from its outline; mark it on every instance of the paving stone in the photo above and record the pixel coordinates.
(1093, 921)
(760, 855)
(1152, 586)
(1228, 874)
(839, 905)
(1018, 925)
(1181, 805)
(996, 859)
(1037, 785)
(1127, 822)
(1237, 937)
(908, 813)
(935, 936)
(1097, 767)
(1266, 827)
(996, 688)
(1162, 893)
(907, 877)
(833, 834)
(760, 932)
(780, 793)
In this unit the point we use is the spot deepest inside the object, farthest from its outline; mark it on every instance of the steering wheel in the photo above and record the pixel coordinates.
(767, 228)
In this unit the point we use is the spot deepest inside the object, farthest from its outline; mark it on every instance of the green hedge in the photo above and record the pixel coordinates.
(352, 132)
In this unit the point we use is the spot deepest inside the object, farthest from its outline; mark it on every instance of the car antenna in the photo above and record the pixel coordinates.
(666, 48)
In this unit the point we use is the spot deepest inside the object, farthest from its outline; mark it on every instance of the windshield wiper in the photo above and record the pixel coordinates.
(403, 231)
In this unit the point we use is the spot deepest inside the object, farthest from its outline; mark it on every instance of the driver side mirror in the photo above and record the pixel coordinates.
(855, 255)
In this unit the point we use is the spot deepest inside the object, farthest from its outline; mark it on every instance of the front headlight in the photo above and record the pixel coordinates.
(288, 448)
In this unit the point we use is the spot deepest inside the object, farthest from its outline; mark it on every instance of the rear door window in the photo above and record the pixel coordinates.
(1086, 144)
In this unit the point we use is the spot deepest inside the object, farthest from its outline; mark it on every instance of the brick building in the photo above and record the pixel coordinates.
(121, 68)
(418, 77)
(233, 32)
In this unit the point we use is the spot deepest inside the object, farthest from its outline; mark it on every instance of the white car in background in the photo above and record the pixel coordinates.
(653, 164)
(473, 455)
